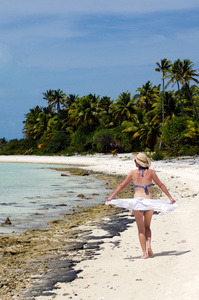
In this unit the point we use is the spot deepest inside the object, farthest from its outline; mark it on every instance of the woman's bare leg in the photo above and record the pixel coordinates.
(147, 222)
(141, 231)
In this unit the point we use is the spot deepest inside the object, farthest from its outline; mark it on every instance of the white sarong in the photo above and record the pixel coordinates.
(144, 204)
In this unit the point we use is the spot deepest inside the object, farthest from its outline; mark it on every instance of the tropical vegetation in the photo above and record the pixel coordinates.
(159, 119)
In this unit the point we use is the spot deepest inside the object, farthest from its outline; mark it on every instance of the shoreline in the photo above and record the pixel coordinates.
(23, 251)
(172, 273)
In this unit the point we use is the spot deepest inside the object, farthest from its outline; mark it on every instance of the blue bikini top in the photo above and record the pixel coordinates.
(145, 186)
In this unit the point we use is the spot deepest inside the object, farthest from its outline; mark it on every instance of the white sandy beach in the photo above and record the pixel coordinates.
(117, 272)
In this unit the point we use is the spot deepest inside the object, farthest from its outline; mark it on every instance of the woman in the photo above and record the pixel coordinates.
(143, 205)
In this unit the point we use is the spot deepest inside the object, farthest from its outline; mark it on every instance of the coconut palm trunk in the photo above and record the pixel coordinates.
(164, 66)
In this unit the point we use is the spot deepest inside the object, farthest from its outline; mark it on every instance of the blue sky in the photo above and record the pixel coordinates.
(104, 47)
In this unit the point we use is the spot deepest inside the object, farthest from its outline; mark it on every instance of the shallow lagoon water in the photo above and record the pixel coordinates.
(33, 194)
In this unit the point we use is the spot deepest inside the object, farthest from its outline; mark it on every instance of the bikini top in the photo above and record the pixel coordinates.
(145, 186)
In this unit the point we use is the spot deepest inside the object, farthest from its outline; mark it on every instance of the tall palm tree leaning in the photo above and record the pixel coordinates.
(164, 66)
(175, 77)
(187, 75)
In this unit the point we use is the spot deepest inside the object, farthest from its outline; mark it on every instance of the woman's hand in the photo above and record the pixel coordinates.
(172, 200)
(108, 199)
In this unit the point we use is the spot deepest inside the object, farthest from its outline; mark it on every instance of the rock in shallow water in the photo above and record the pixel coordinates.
(7, 222)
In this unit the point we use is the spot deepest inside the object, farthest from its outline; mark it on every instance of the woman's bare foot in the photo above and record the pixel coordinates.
(150, 251)
(145, 256)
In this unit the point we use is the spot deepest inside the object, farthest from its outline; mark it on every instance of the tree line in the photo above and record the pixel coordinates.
(159, 119)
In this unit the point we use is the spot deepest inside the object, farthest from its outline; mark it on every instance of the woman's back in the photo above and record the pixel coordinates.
(142, 180)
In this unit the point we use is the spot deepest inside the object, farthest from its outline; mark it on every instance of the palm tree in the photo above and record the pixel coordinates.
(49, 96)
(84, 112)
(147, 95)
(105, 103)
(171, 108)
(94, 98)
(188, 107)
(175, 77)
(54, 125)
(59, 99)
(123, 108)
(148, 133)
(187, 75)
(164, 66)
(194, 90)
(31, 121)
(40, 127)
(55, 98)
(144, 129)
(70, 99)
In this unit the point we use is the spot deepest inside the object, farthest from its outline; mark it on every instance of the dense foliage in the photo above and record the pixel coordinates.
(154, 119)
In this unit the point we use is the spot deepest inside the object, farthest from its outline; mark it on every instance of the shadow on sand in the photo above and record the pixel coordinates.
(164, 253)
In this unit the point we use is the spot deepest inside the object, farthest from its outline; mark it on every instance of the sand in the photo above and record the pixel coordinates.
(117, 272)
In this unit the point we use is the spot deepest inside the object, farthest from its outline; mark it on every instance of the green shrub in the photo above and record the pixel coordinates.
(122, 140)
(82, 140)
(194, 150)
(58, 143)
(189, 150)
(173, 134)
(103, 140)
(157, 155)
(16, 147)
(3, 143)
(108, 140)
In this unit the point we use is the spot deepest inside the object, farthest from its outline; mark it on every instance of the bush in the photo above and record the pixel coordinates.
(173, 134)
(3, 143)
(108, 140)
(16, 147)
(103, 140)
(82, 140)
(122, 140)
(157, 155)
(189, 151)
(58, 143)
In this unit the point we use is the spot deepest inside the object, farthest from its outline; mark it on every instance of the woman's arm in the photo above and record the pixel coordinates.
(162, 187)
(121, 186)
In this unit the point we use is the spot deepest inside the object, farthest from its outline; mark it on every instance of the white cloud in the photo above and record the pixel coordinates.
(120, 50)
(67, 7)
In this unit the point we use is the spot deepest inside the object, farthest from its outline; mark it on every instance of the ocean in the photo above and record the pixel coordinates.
(31, 195)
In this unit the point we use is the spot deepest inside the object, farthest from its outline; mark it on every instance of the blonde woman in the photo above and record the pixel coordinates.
(143, 204)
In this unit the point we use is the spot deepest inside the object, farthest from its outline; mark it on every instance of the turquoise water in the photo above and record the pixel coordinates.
(33, 194)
